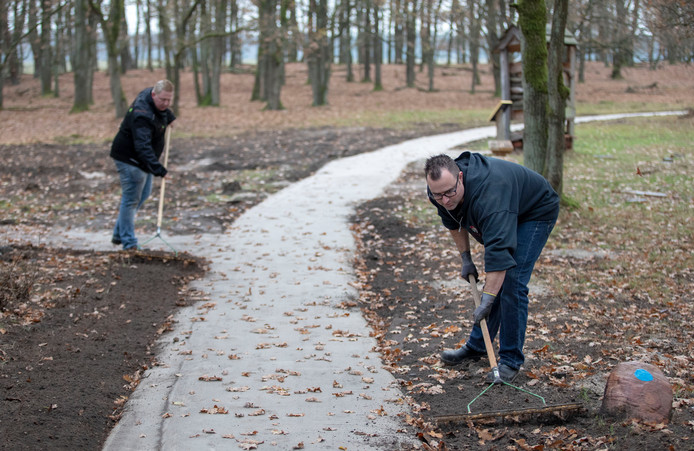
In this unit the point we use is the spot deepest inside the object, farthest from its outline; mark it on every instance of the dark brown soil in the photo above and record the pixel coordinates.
(71, 354)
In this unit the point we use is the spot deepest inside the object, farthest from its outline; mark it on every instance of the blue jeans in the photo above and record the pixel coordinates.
(510, 309)
(136, 186)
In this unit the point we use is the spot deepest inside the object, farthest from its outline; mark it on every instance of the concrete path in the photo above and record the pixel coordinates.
(274, 356)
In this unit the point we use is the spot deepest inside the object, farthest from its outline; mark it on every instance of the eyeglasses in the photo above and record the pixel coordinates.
(450, 193)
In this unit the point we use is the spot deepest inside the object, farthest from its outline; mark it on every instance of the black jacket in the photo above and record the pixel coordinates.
(140, 139)
(499, 195)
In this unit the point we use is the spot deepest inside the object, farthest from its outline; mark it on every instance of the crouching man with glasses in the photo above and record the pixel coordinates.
(511, 211)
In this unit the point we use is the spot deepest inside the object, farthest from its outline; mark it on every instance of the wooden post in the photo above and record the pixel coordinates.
(505, 121)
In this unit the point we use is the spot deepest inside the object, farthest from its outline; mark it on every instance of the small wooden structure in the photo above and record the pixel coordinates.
(501, 145)
(509, 49)
(638, 390)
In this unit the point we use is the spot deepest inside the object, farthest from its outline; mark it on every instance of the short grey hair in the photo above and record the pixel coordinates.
(163, 85)
(435, 165)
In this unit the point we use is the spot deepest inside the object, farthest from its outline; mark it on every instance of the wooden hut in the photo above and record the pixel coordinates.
(511, 106)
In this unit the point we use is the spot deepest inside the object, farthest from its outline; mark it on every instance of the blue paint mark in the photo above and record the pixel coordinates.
(643, 375)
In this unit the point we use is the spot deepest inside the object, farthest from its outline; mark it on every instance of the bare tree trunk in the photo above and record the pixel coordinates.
(492, 41)
(474, 40)
(346, 39)
(619, 42)
(604, 31)
(148, 33)
(532, 19)
(411, 35)
(234, 41)
(111, 28)
(136, 47)
(45, 56)
(292, 27)
(272, 70)
(341, 12)
(165, 40)
(93, 22)
(378, 49)
(182, 45)
(56, 64)
(399, 32)
(218, 49)
(558, 93)
(14, 62)
(201, 61)
(34, 35)
(426, 39)
(366, 42)
(82, 69)
(319, 54)
(126, 59)
(5, 46)
(116, 86)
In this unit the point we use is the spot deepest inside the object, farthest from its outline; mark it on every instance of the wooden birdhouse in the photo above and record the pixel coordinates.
(511, 70)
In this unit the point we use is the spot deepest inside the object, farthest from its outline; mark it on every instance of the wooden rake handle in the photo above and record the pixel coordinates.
(167, 140)
(483, 325)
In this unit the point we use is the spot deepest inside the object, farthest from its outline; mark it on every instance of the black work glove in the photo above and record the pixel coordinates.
(468, 267)
(159, 171)
(482, 311)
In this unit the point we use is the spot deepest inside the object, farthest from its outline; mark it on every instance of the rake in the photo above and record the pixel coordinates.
(544, 408)
(167, 140)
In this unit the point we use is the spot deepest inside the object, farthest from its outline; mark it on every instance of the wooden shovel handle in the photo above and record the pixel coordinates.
(483, 324)
(167, 140)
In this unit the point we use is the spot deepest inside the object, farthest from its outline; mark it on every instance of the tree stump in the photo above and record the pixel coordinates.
(638, 390)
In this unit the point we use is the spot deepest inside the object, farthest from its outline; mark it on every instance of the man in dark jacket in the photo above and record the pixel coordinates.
(511, 211)
(136, 150)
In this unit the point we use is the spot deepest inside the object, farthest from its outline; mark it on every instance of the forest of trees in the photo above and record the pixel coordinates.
(207, 37)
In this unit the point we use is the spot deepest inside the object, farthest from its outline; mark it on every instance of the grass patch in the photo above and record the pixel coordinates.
(609, 107)
(612, 162)
(401, 120)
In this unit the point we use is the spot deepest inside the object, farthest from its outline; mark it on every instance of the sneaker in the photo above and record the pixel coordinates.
(116, 241)
(458, 356)
(506, 374)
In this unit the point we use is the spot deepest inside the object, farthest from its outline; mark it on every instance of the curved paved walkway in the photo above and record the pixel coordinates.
(273, 357)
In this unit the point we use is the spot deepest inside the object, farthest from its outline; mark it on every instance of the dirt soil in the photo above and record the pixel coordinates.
(78, 328)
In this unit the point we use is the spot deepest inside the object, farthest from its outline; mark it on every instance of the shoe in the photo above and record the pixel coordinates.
(116, 241)
(458, 356)
(506, 374)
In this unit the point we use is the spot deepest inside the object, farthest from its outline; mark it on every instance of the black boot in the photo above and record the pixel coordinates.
(506, 374)
(458, 356)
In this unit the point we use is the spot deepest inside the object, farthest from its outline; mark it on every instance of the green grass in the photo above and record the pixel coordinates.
(606, 107)
(404, 119)
(652, 236)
